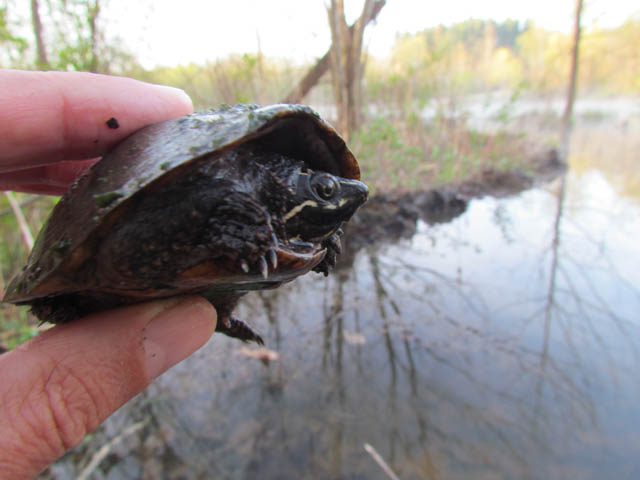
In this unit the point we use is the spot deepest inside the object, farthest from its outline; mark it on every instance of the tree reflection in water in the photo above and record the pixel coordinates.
(501, 344)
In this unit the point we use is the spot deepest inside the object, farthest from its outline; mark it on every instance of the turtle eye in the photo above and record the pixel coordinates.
(325, 186)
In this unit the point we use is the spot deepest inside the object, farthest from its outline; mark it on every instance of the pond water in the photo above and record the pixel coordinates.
(502, 344)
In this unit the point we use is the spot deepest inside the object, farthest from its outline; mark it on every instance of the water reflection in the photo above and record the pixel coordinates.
(501, 344)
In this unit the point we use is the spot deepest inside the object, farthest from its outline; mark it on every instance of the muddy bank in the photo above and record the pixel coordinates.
(390, 216)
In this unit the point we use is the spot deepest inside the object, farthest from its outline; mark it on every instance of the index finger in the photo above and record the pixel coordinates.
(48, 117)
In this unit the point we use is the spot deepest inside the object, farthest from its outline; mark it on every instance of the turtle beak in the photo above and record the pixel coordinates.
(355, 193)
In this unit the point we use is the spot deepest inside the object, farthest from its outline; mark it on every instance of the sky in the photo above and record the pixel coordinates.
(166, 32)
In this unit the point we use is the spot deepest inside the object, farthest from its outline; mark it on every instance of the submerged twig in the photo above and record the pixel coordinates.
(380, 461)
(22, 222)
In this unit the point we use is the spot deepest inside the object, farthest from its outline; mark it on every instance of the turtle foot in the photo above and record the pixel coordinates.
(235, 328)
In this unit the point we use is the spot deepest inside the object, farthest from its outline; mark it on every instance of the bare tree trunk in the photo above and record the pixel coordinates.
(42, 62)
(314, 74)
(340, 63)
(357, 65)
(347, 67)
(310, 80)
(573, 73)
(262, 94)
(92, 18)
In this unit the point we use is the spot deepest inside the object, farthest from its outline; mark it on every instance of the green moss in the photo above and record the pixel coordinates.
(103, 200)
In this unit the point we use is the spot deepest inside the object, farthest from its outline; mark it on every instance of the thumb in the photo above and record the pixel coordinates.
(62, 384)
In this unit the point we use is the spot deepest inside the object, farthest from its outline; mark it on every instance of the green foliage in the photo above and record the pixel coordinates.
(411, 152)
(73, 35)
(12, 46)
(16, 325)
(387, 157)
(248, 78)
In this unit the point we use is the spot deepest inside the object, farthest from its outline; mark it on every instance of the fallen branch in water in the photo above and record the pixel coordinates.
(380, 461)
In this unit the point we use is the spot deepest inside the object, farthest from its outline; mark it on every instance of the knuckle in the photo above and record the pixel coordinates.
(70, 401)
(47, 409)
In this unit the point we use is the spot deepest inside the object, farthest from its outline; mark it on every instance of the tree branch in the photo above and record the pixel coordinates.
(22, 222)
(312, 77)
(42, 61)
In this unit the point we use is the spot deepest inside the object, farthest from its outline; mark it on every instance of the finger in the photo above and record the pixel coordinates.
(47, 117)
(62, 384)
(45, 179)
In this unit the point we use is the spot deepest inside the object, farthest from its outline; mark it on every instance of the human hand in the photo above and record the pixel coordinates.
(59, 386)
(54, 124)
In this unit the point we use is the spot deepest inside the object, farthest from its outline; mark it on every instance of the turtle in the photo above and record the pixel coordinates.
(216, 203)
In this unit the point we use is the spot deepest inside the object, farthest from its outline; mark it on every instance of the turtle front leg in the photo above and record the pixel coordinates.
(334, 248)
(236, 328)
(231, 326)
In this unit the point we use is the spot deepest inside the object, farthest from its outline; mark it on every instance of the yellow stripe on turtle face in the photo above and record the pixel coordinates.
(325, 236)
(350, 182)
(298, 208)
(312, 203)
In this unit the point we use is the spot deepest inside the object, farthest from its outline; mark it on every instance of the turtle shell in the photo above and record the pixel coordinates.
(161, 151)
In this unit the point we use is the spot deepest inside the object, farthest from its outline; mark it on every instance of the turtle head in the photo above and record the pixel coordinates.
(323, 202)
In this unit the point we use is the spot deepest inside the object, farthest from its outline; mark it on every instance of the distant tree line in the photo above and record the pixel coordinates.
(466, 57)
(478, 54)
(473, 31)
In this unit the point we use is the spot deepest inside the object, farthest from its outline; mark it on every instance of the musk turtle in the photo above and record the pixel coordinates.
(215, 203)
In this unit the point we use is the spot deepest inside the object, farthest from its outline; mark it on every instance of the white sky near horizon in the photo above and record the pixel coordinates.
(166, 32)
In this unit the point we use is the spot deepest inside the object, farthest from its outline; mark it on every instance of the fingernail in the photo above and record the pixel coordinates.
(175, 333)
(175, 93)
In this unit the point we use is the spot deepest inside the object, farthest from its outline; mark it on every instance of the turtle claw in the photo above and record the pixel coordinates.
(236, 328)
(273, 258)
(264, 268)
(334, 242)
(333, 249)
(245, 266)
(261, 265)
